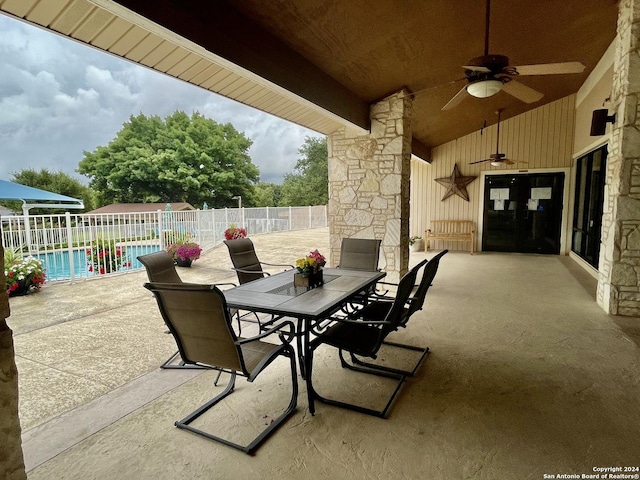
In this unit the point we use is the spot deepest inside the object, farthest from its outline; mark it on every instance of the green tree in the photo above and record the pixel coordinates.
(57, 182)
(267, 195)
(181, 159)
(308, 184)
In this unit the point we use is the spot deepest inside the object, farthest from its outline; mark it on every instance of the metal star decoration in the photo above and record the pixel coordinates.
(456, 184)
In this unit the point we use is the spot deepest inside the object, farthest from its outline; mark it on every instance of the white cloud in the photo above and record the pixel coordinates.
(59, 98)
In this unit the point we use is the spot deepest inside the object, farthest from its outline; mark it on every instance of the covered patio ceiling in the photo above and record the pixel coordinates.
(321, 64)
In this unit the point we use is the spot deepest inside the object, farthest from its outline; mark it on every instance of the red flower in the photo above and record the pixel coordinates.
(233, 233)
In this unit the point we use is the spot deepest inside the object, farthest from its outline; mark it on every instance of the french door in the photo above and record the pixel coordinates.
(523, 213)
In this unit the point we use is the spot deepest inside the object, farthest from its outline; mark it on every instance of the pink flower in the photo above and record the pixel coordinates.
(233, 233)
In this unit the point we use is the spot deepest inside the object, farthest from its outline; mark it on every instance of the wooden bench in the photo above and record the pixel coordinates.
(451, 231)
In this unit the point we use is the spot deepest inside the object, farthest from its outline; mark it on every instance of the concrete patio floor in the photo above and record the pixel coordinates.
(527, 376)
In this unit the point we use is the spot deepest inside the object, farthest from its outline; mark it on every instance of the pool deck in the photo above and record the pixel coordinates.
(520, 382)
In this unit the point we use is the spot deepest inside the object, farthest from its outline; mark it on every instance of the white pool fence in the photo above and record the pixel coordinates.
(78, 246)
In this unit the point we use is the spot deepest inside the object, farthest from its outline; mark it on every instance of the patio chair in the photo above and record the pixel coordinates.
(161, 269)
(379, 308)
(359, 254)
(198, 318)
(248, 267)
(362, 337)
(245, 260)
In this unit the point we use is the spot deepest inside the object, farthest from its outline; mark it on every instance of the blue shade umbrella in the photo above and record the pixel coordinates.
(34, 197)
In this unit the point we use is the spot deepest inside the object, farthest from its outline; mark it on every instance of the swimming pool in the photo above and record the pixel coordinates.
(57, 263)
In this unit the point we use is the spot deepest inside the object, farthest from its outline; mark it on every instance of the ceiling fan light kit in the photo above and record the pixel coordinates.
(484, 88)
(488, 74)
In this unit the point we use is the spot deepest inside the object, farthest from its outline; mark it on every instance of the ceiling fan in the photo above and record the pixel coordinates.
(488, 74)
(497, 159)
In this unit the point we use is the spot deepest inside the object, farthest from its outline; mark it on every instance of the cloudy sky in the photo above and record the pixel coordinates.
(59, 98)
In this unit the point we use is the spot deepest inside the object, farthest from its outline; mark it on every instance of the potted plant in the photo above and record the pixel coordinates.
(309, 270)
(234, 232)
(417, 243)
(23, 276)
(184, 253)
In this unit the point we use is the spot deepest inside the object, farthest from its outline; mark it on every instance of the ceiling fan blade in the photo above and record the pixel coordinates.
(477, 68)
(550, 68)
(457, 98)
(507, 161)
(482, 161)
(522, 92)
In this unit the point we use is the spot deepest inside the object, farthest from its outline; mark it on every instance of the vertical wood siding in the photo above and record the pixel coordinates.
(539, 139)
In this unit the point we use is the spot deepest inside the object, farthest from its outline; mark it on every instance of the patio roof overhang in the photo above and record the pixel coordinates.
(322, 66)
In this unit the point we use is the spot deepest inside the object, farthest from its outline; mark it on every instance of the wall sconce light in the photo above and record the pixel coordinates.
(599, 121)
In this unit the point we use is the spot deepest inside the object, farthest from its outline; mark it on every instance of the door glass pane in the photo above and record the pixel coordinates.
(587, 219)
(581, 188)
(500, 213)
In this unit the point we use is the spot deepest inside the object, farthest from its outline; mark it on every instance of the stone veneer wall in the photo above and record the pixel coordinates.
(369, 184)
(619, 278)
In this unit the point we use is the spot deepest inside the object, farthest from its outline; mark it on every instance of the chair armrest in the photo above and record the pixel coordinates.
(277, 264)
(271, 331)
(249, 271)
(359, 322)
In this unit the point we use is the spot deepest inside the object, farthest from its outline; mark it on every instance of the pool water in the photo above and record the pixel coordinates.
(57, 263)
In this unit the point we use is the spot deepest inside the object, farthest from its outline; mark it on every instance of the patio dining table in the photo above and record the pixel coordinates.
(277, 295)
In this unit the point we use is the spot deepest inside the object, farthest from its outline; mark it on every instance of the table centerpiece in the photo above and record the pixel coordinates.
(309, 270)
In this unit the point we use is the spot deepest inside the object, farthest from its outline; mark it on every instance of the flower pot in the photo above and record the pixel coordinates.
(418, 245)
(23, 288)
(308, 281)
(183, 263)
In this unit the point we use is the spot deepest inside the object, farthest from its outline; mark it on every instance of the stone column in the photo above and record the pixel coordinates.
(619, 277)
(369, 183)
(11, 459)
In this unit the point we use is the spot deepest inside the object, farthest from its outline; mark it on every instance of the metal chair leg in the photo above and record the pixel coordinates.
(381, 368)
(180, 365)
(313, 395)
(256, 442)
